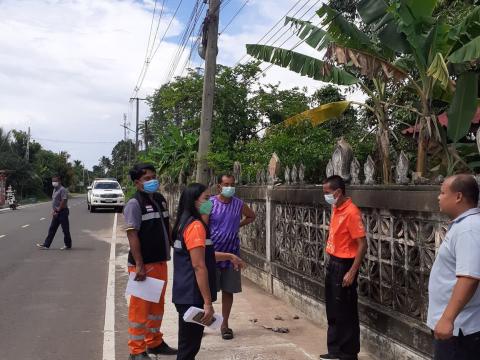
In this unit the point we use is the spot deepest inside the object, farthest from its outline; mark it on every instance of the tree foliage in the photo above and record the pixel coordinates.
(32, 177)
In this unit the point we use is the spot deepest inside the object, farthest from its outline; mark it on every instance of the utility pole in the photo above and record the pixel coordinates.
(27, 153)
(208, 90)
(145, 135)
(124, 127)
(136, 122)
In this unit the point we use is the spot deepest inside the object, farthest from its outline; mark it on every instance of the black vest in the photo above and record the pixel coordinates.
(185, 288)
(153, 233)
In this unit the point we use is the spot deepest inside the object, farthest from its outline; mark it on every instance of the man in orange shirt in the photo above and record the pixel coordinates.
(346, 246)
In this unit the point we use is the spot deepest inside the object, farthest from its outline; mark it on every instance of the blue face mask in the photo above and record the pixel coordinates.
(228, 191)
(151, 186)
(330, 198)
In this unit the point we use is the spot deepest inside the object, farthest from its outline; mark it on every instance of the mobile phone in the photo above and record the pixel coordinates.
(198, 318)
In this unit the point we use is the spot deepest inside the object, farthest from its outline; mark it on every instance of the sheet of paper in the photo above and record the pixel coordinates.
(150, 289)
(192, 311)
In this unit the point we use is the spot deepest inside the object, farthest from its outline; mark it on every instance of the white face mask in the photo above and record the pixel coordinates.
(330, 198)
(55, 184)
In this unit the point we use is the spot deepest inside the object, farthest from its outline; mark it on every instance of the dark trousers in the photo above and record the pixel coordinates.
(459, 347)
(61, 219)
(189, 335)
(343, 336)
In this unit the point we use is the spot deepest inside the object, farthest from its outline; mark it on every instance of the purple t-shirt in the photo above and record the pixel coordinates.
(224, 225)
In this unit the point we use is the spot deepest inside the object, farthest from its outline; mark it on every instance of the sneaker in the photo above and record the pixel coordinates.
(142, 356)
(329, 357)
(65, 248)
(42, 247)
(162, 349)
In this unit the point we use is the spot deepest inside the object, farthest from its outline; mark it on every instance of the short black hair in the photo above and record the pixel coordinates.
(56, 177)
(335, 182)
(220, 177)
(467, 185)
(139, 170)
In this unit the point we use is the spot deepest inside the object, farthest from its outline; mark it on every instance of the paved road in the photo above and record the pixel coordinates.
(52, 303)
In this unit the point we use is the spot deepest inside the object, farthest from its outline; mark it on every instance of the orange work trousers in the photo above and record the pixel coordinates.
(145, 317)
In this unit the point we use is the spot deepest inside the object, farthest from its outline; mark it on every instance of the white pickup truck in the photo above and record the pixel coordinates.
(105, 193)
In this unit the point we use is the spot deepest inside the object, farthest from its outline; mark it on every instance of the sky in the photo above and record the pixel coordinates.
(69, 67)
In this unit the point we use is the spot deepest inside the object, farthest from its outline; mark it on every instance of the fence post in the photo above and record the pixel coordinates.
(269, 234)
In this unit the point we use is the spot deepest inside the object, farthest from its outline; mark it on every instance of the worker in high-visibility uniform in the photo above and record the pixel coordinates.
(148, 232)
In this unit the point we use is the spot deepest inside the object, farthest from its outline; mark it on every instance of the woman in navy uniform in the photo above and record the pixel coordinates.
(194, 279)
(194, 266)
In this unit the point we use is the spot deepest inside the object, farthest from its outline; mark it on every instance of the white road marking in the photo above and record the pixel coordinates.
(25, 226)
(2, 236)
(109, 327)
(41, 219)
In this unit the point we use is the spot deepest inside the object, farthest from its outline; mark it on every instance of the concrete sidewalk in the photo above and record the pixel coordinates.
(253, 313)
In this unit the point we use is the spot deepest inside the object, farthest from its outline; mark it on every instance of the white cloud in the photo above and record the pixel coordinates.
(68, 67)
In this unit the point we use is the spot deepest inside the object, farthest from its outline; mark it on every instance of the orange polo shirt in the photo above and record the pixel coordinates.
(346, 227)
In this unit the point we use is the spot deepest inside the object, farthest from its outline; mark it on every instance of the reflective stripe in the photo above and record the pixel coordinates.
(155, 317)
(150, 216)
(136, 325)
(178, 244)
(154, 330)
(136, 337)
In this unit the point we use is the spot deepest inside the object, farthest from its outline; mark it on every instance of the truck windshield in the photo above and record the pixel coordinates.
(107, 185)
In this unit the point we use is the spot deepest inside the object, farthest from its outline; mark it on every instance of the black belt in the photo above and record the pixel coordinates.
(341, 260)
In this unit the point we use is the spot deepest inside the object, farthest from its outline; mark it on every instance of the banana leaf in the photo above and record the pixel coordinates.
(302, 64)
(314, 36)
(344, 32)
(320, 114)
(376, 13)
(469, 52)
(463, 106)
(438, 70)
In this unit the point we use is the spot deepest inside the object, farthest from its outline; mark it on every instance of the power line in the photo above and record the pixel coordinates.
(150, 47)
(158, 26)
(189, 29)
(293, 48)
(74, 141)
(184, 37)
(234, 16)
(136, 88)
(285, 31)
(168, 28)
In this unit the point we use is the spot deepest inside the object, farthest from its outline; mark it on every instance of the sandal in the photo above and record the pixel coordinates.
(227, 334)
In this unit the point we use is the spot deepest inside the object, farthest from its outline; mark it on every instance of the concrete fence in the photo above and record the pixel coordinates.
(285, 251)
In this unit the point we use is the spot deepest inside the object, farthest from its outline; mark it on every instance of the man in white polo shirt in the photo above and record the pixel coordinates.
(454, 297)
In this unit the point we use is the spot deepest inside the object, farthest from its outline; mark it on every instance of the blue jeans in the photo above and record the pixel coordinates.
(459, 347)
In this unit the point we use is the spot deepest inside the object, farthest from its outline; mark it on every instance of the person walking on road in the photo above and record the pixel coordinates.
(454, 296)
(60, 216)
(148, 232)
(346, 246)
(228, 215)
(194, 267)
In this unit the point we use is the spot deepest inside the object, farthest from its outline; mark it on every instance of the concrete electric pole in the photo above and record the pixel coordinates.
(136, 122)
(208, 90)
(27, 153)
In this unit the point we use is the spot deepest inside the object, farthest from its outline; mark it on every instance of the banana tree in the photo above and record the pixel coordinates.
(351, 59)
(442, 62)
